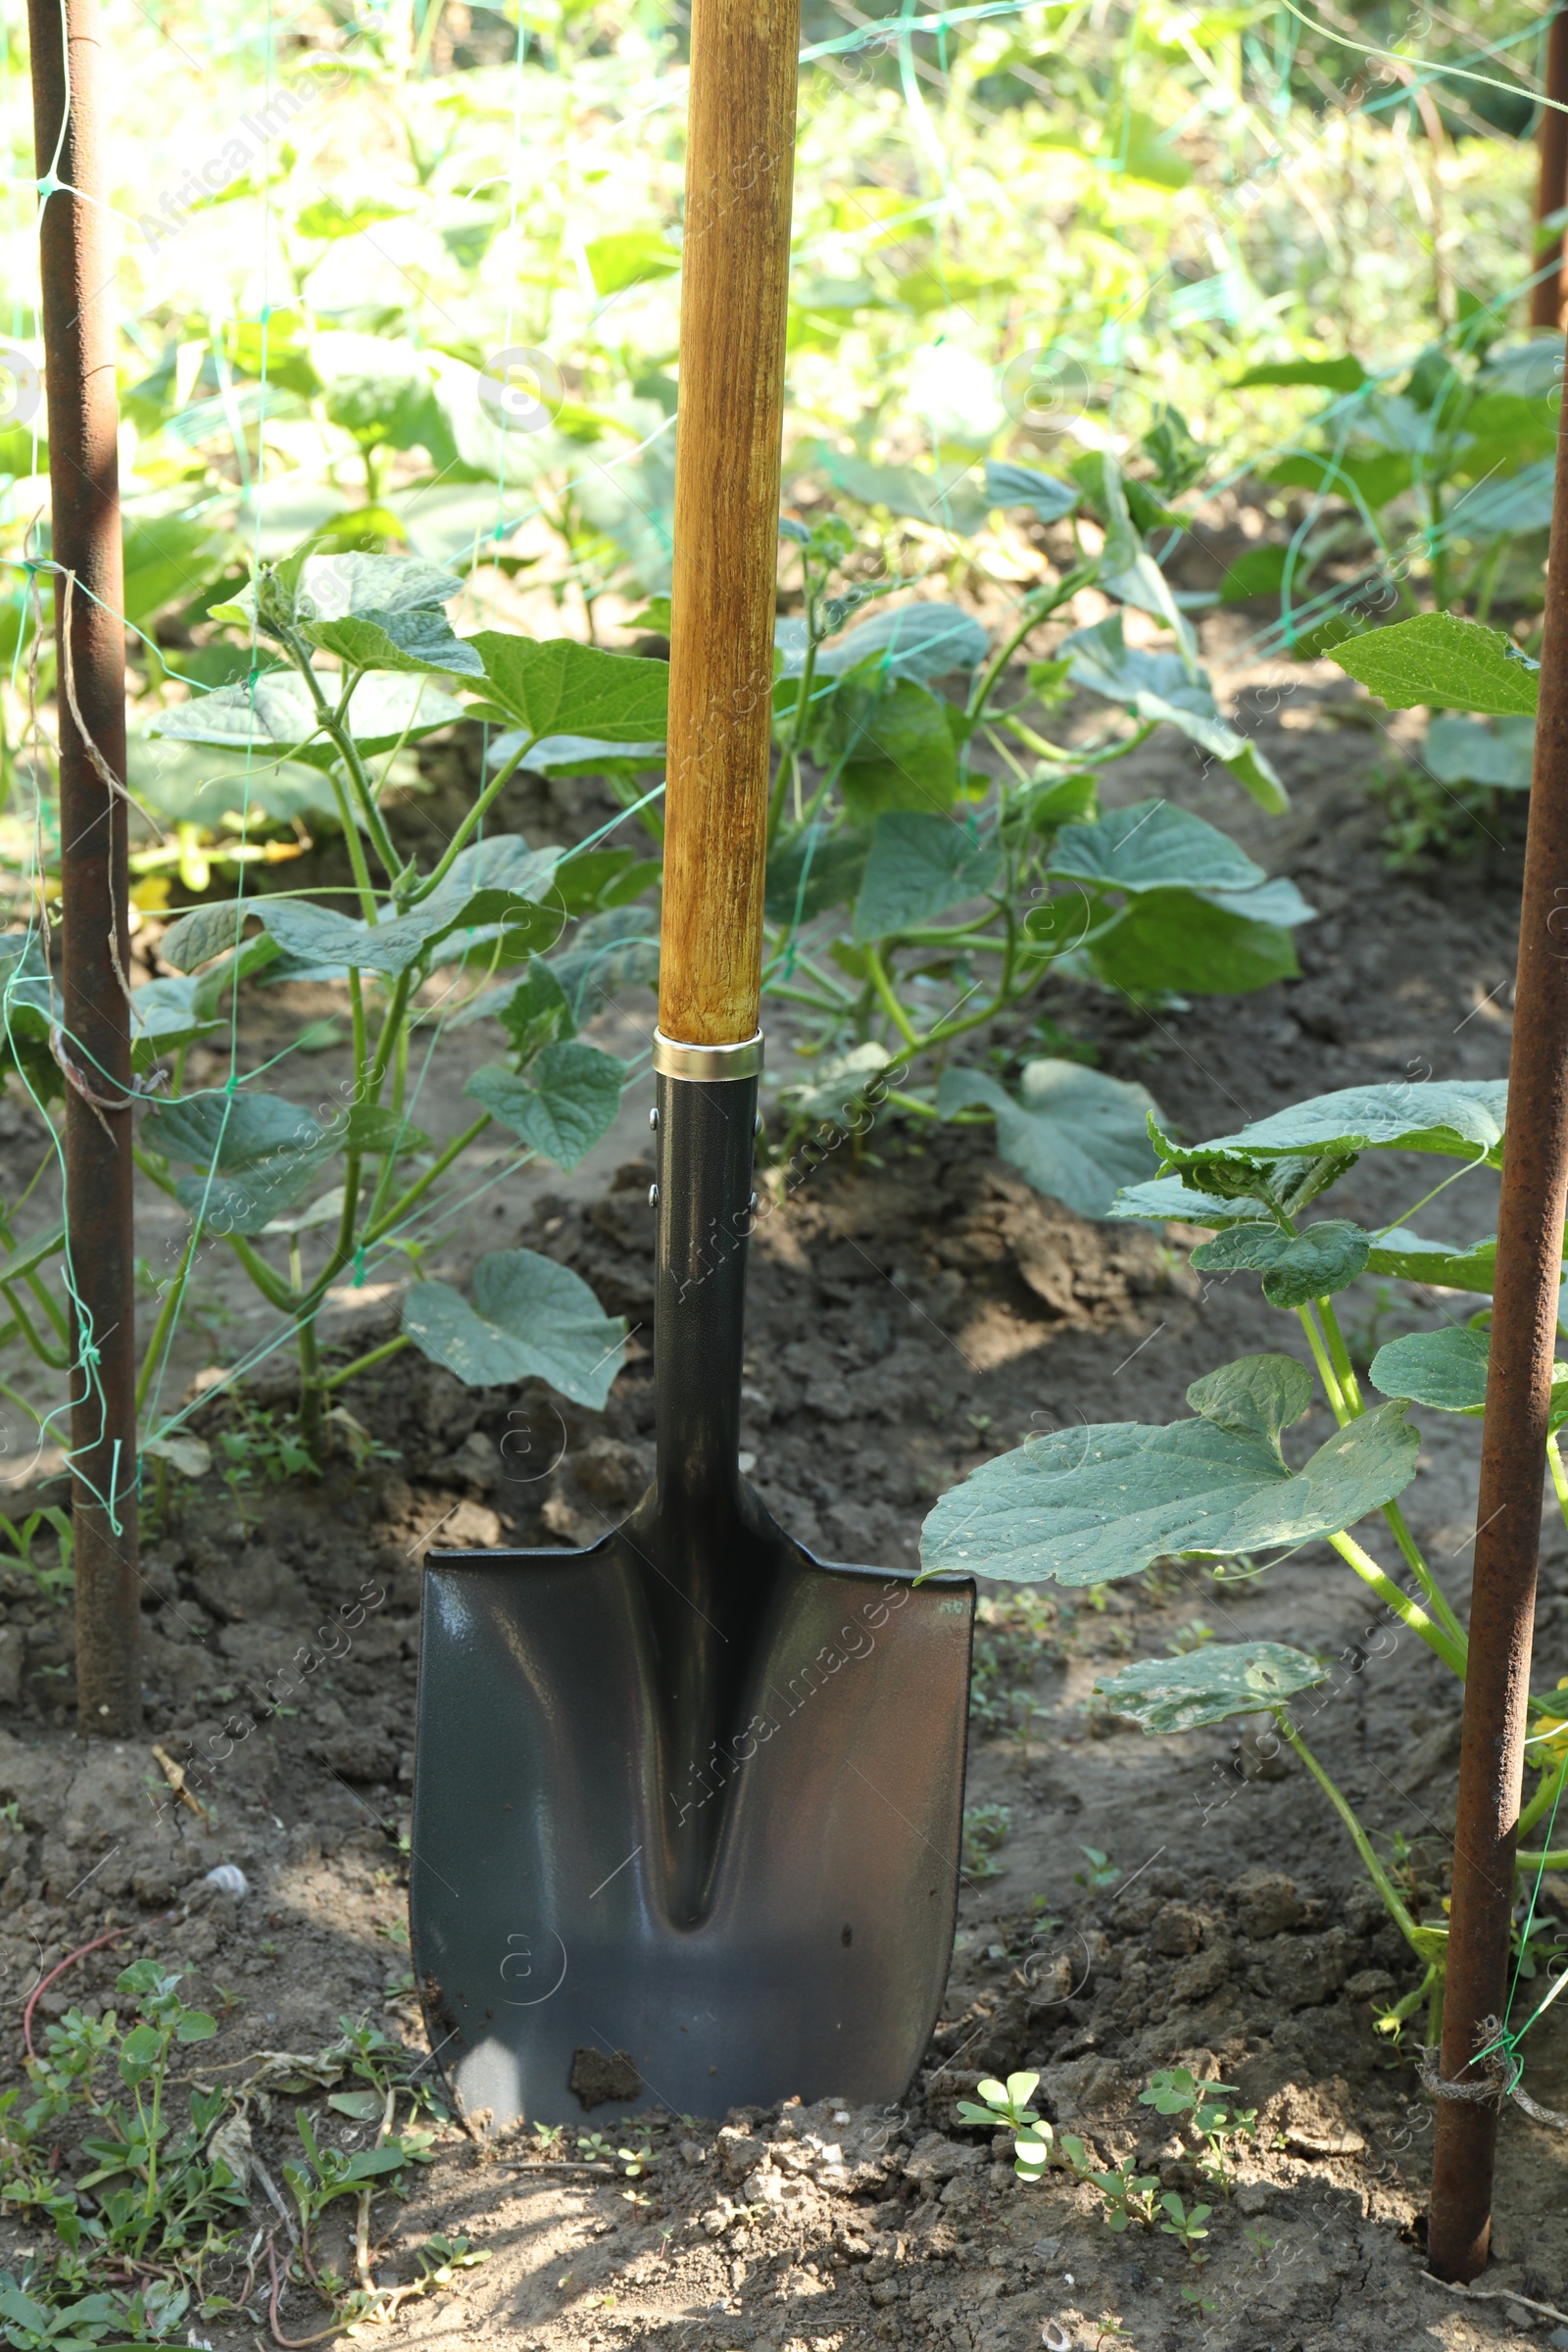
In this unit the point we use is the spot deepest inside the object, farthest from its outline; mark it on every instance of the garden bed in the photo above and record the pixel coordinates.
(1128, 1906)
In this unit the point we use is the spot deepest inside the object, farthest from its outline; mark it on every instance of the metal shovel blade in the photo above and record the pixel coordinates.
(688, 1807)
(556, 1965)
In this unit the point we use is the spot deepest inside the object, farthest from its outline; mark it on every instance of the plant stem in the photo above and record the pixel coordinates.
(894, 1009)
(365, 1363)
(1391, 1901)
(476, 816)
(1442, 1608)
(1544, 1798)
(416, 1192)
(172, 1299)
(1436, 1638)
(1341, 1356)
(1325, 1368)
(1559, 1476)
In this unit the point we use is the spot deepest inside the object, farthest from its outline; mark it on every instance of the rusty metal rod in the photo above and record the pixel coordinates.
(69, 69)
(1513, 1460)
(1552, 189)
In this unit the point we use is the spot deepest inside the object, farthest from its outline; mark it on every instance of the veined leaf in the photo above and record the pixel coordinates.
(333, 587)
(570, 1099)
(411, 642)
(1459, 751)
(1208, 1684)
(558, 686)
(1447, 1369)
(1296, 1268)
(1170, 1198)
(1184, 940)
(1411, 1257)
(256, 1155)
(1154, 846)
(924, 641)
(815, 869)
(1074, 1134)
(1159, 687)
(530, 1320)
(918, 867)
(1026, 486)
(1447, 664)
(276, 714)
(608, 951)
(1089, 1505)
(1460, 1116)
(834, 1089)
(896, 746)
(573, 754)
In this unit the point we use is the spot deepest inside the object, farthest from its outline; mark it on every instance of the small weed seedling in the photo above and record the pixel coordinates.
(1184, 2224)
(1176, 2090)
(985, 1832)
(1128, 2195)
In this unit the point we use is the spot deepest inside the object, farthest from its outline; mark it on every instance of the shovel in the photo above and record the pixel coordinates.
(688, 1805)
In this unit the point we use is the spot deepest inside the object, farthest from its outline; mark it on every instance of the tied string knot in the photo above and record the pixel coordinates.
(359, 1269)
(1494, 2076)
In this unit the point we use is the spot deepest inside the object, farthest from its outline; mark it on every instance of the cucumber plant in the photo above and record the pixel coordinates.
(1088, 1505)
(914, 895)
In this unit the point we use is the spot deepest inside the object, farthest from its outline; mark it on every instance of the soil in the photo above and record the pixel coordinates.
(1128, 1903)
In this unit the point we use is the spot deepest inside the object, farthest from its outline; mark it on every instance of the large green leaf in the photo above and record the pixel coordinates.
(1459, 1116)
(276, 714)
(1159, 687)
(896, 746)
(570, 1099)
(185, 784)
(835, 1089)
(411, 642)
(1444, 1368)
(347, 583)
(1075, 1133)
(1170, 1197)
(530, 1320)
(573, 754)
(815, 869)
(1256, 1397)
(169, 558)
(1026, 486)
(559, 686)
(952, 503)
(1447, 664)
(1495, 509)
(536, 1013)
(1208, 1684)
(609, 952)
(259, 1156)
(1296, 1268)
(1446, 1265)
(1447, 1369)
(1460, 751)
(919, 866)
(1091, 1504)
(1154, 846)
(924, 641)
(1180, 940)
(494, 887)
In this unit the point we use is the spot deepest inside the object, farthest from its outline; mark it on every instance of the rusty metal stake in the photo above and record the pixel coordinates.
(1513, 1460)
(78, 337)
(1552, 189)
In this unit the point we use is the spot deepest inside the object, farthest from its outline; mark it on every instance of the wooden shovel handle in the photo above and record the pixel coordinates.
(740, 179)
